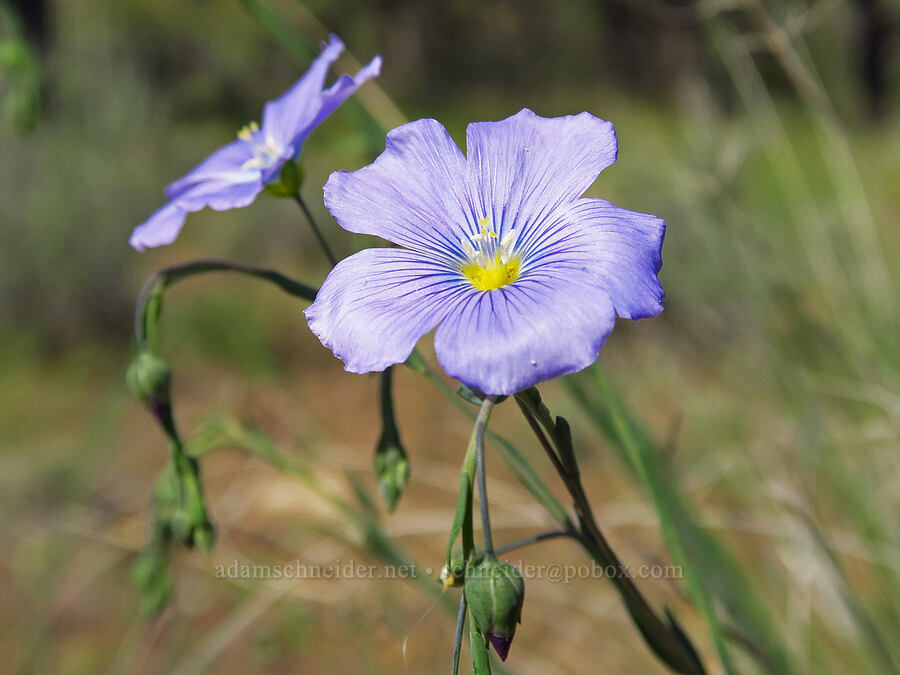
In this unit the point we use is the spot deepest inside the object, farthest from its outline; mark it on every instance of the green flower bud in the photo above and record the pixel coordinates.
(391, 469)
(495, 591)
(149, 379)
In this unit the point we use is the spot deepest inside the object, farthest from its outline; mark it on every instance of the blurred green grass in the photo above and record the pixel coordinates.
(771, 380)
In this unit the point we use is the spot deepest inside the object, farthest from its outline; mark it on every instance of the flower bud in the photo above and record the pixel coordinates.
(149, 379)
(495, 592)
(391, 470)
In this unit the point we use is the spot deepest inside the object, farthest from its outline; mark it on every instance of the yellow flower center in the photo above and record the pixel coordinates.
(493, 275)
(247, 131)
(489, 262)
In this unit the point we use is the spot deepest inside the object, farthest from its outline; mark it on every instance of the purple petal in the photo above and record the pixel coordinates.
(526, 166)
(414, 194)
(291, 112)
(163, 226)
(159, 229)
(224, 164)
(336, 94)
(545, 324)
(620, 250)
(221, 195)
(375, 305)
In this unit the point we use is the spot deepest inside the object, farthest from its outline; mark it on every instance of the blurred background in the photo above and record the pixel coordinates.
(766, 397)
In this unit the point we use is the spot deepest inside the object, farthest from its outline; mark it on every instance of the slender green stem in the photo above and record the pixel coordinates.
(457, 641)
(480, 426)
(672, 537)
(386, 403)
(147, 312)
(462, 519)
(667, 640)
(536, 539)
(149, 297)
(316, 231)
(516, 462)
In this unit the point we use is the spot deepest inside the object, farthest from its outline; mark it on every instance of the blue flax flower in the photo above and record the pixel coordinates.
(234, 175)
(522, 277)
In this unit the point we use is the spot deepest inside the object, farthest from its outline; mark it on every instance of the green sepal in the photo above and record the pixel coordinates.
(453, 573)
(474, 396)
(416, 362)
(481, 662)
(290, 178)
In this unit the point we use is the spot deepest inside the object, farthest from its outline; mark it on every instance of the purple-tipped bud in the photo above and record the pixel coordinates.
(149, 380)
(495, 592)
(501, 644)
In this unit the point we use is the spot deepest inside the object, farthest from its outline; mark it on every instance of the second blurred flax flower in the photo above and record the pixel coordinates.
(235, 174)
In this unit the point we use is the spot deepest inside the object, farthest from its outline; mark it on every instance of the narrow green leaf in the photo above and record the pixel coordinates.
(463, 513)
(699, 554)
(565, 447)
(481, 660)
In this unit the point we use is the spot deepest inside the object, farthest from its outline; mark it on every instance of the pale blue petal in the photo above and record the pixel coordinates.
(159, 229)
(331, 98)
(526, 166)
(224, 164)
(285, 117)
(414, 194)
(375, 305)
(220, 195)
(506, 340)
(620, 250)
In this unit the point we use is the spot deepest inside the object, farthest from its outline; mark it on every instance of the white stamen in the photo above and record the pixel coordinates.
(506, 245)
(508, 239)
(266, 152)
(486, 247)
